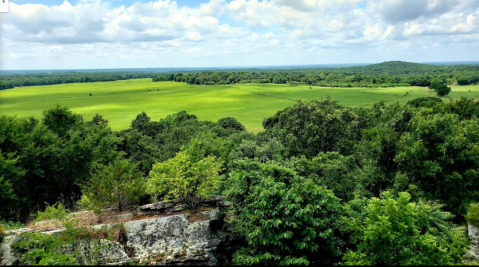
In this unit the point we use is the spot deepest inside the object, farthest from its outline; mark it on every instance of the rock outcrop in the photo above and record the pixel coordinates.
(473, 253)
(177, 239)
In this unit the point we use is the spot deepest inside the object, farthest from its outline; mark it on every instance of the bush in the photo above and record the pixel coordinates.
(472, 215)
(114, 186)
(395, 231)
(56, 211)
(285, 219)
(184, 178)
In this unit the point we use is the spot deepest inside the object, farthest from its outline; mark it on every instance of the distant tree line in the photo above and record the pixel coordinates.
(386, 74)
(18, 80)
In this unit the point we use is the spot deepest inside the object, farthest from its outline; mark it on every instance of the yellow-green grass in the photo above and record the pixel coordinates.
(120, 101)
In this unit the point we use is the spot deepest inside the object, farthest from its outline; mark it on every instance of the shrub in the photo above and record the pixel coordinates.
(114, 186)
(184, 178)
(285, 219)
(472, 215)
(395, 231)
(56, 211)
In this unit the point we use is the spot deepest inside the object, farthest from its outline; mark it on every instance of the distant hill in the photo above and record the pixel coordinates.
(400, 67)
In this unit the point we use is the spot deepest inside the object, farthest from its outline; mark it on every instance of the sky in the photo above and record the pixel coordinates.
(93, 34)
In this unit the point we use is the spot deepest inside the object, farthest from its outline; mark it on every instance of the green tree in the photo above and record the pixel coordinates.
(441, 156)
(10, 175)
(284, 218)
(231, 123)
(440, 88)
(183, 178)
(60, 119)
(395, 231)
(115, 185)
(308, 128)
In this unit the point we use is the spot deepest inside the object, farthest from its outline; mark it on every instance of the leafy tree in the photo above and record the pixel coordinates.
(308, 128)
(97, 120)
(231, 123)
(60, 119)
(183, 178)
(472, 215)
(441, 156)
(139, 148)
(285, 219)
(395, 231)
(140, 122)
(115, 185)
(10, 176)
(440, 88)
(341, 174)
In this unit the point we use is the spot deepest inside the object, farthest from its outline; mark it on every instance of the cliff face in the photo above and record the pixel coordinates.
(182, 239)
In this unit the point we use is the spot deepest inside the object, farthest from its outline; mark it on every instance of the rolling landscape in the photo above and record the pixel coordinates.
(239, 132)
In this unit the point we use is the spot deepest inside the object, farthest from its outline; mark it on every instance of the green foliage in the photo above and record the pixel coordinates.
(11, 225)
(56, 211)
(97, 120)
(40, 257)
(2, 232)
(338, 173)
(231, 123)
(423, 101)
(115, 185)
(441, 157)
(472, 215)
(395, 231)
(10, 174)
(270, 149)
(440, 88)
(308, 128)
(60, 119)
(185, 178)
(285, 219)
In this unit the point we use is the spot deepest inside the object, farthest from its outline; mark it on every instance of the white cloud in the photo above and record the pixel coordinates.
(236, 32)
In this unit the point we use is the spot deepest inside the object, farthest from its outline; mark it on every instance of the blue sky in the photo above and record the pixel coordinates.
(74, 34)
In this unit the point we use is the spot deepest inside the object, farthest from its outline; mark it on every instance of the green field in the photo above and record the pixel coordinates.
(120, 101)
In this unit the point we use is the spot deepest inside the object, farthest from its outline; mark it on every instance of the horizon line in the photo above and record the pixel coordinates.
(252, 66)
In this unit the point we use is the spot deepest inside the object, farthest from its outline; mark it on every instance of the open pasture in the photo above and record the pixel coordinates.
(120, 101)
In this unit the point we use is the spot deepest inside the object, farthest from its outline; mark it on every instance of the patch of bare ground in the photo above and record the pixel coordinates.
(89, 218)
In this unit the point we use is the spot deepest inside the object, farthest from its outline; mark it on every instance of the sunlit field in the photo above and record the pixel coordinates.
(120, 101)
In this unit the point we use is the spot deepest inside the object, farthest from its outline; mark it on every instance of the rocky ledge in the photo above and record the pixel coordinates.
(180, 239)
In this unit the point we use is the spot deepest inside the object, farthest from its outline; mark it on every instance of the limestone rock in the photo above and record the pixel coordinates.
(173, 240)
(473, 253)
(8, 255)
(125, 217)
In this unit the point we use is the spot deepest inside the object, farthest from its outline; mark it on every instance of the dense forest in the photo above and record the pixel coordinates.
(387, 74)
(323, 184)
(17, 80)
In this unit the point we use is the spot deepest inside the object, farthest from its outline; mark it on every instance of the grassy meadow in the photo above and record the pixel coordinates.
(120, 101)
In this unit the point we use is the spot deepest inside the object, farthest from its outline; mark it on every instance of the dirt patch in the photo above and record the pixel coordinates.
(89, 218)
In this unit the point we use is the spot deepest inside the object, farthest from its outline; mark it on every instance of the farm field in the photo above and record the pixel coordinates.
(120, 101)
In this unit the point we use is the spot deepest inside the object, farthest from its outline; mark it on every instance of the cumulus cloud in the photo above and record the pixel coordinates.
(272, 30)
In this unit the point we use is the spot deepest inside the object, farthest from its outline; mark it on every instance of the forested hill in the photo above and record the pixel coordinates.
(402, 67)
(386, 74)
